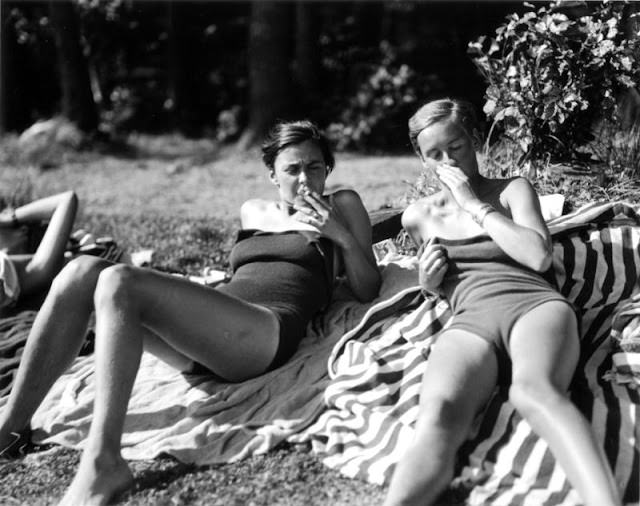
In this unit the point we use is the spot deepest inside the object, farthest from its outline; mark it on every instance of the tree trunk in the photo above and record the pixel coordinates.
(3, 70)
(307, 50)
(179, 76)
(77, 99)
(269, 68)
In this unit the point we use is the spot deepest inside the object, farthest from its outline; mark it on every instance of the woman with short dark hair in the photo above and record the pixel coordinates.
(285, 261)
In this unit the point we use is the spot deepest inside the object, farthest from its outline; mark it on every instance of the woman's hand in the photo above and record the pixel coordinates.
(458, 183)
(319, 214)
(432, 266)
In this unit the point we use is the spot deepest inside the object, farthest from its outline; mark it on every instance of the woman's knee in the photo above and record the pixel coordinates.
(81, 272)
(532, 395)
(441, 409)
(115, 285)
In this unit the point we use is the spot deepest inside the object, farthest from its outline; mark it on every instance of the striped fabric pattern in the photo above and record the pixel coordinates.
(376, 369)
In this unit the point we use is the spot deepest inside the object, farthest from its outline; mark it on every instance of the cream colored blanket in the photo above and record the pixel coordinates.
(200, 420)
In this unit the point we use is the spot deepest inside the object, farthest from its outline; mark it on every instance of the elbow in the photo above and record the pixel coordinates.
(542, 262)
(71, 196)
(69, 199)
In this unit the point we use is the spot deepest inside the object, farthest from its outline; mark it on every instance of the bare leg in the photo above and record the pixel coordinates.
(544, 350)
(53, 343)
(235, 339)
(460, 376)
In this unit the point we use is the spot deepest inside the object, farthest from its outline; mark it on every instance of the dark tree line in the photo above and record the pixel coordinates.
(231, 68)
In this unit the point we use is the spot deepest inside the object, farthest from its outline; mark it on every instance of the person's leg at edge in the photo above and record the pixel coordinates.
(544, 347)
(54, 341)
(459, 378)
(203, 324)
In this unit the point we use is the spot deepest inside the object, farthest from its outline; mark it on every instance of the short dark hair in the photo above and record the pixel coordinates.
(460, 111)
(290, 133)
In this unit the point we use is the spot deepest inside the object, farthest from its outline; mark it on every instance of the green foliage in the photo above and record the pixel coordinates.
(619, 150)
(551, 77)
(374, 116)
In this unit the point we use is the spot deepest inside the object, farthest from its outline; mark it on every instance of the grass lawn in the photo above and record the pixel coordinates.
(181, 199)
(183, 203)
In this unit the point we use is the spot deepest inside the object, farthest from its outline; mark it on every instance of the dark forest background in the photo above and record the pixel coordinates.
(227, 70)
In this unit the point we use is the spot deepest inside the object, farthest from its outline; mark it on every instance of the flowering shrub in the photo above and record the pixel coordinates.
(375, 116)
(551, 77)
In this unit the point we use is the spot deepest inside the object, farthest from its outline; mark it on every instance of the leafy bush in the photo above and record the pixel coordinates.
(551, 77)
(375, 116)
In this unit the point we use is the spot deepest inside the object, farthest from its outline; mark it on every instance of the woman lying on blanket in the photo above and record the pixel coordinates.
(23, 274)
(285, 262)
(485, 247)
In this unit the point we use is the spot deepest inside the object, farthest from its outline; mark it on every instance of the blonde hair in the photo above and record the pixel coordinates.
(459, 111)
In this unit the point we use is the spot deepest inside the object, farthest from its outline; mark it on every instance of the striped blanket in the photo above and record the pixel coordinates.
(376, 370)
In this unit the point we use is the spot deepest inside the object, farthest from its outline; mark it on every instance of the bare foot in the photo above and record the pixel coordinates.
(99, 479)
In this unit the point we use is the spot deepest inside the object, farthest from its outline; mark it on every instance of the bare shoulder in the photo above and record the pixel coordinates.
(254, 205)
(517, 186)
(516, 192)
(253, 212)
(347, 198)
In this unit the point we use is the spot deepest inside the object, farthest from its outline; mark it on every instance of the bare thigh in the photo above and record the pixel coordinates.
(233, 338)
(460, 376)
(544, 343)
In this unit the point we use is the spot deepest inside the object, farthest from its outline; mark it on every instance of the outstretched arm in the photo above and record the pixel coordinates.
(48, 259)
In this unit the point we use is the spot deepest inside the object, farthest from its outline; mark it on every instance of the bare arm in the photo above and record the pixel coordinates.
(432, 262)
(36, 211)
(347, 224)
(359, 262)
(525, 236)
(48, 259)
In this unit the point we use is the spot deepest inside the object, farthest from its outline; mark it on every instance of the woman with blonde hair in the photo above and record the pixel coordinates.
(486, 248)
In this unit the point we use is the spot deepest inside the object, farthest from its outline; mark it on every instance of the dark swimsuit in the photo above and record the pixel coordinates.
(290, 273)
(488, 292)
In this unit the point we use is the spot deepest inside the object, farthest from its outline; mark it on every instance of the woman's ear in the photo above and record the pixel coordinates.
(274, 179)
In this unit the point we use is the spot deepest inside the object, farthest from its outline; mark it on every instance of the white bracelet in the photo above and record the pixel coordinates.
(481, 213)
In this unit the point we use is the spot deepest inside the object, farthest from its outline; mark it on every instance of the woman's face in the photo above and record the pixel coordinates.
(299, 166)
(447, 142)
